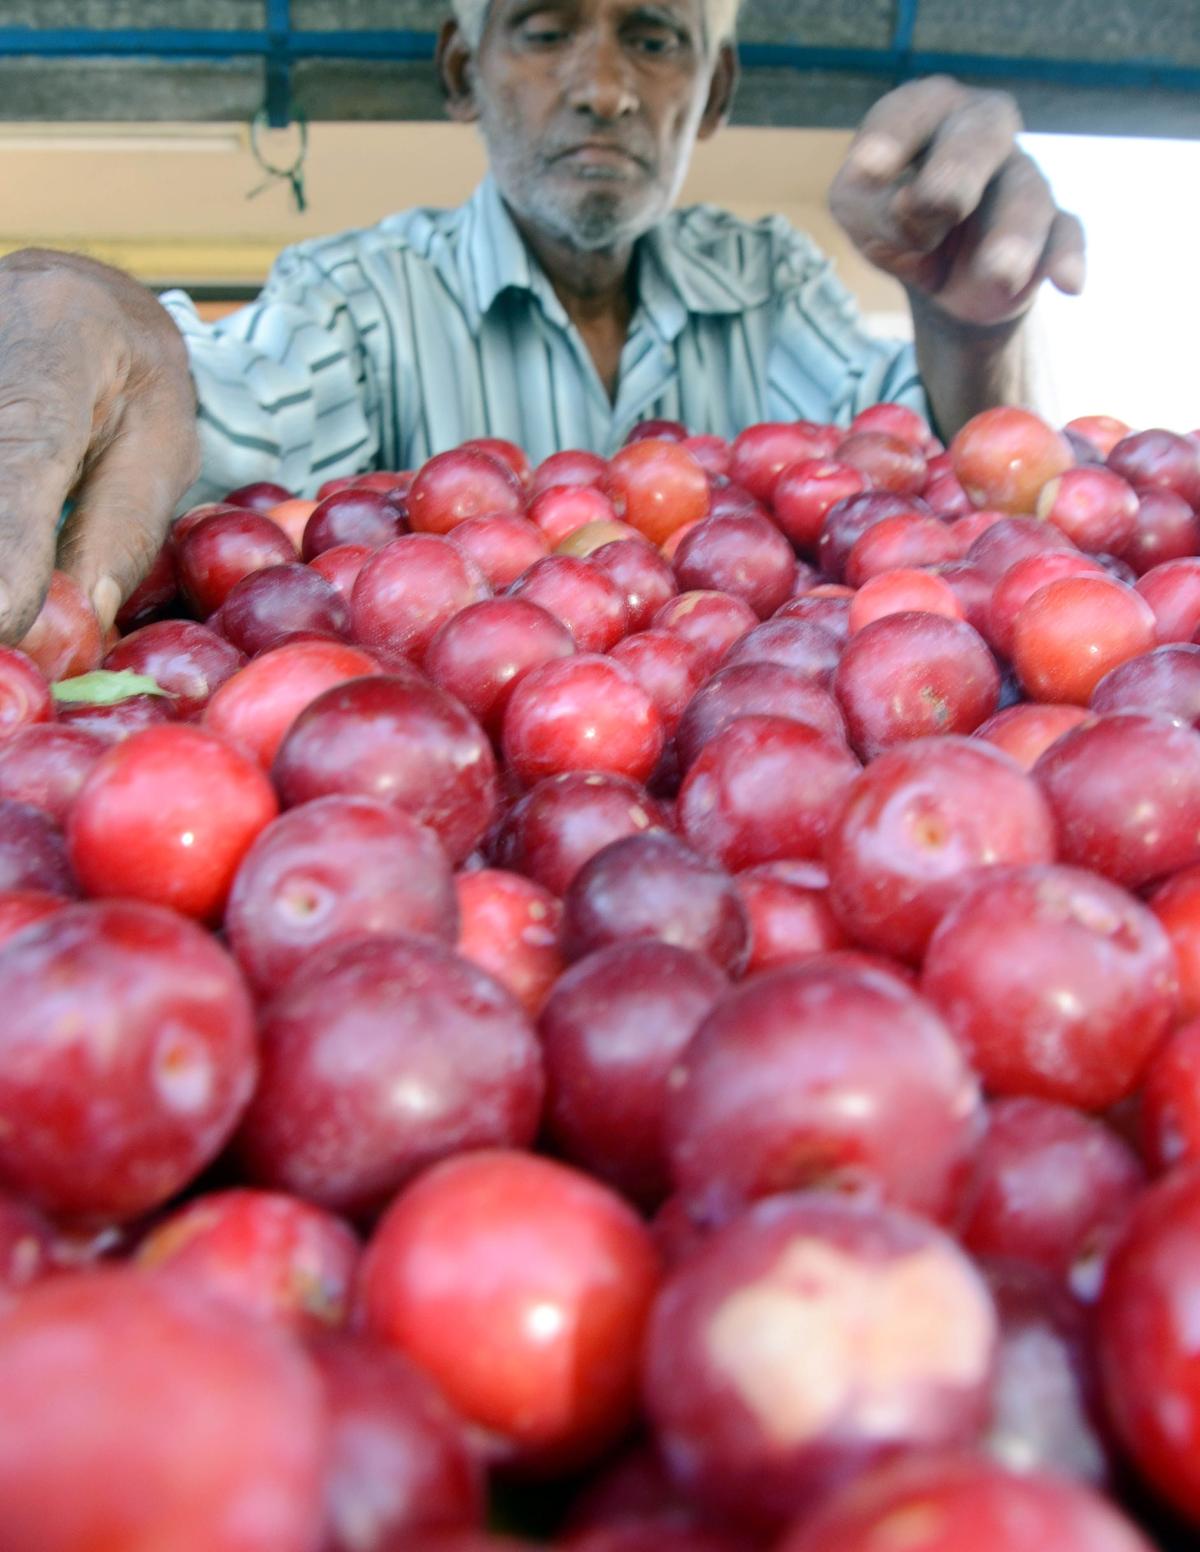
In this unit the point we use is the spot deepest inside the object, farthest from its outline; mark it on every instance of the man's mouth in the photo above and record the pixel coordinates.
(600, 154)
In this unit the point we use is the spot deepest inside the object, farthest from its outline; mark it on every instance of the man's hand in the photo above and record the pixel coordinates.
(936, 192)
(96, 404)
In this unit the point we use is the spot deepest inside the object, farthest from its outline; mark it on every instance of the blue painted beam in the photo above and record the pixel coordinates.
(200, 43)
(1135, 74)
(279, 63)
(905, 26)
(411, 45)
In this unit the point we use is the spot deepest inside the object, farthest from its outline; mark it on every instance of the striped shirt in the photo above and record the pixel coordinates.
(380, 347)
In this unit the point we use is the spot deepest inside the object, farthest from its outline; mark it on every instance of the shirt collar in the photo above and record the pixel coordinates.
(700, 280)
(496, 258)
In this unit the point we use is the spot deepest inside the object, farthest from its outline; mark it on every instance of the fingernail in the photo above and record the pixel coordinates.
(877, 155)
(106, 600)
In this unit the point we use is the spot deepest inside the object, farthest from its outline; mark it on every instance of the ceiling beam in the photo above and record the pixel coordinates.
(365, 73)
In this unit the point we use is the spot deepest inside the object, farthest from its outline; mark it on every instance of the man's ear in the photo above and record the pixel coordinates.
(725, 76)
(456, 69)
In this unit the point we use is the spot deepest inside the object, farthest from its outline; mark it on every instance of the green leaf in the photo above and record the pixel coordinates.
(105, 688)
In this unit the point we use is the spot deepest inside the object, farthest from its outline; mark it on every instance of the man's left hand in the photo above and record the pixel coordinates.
(936, 192)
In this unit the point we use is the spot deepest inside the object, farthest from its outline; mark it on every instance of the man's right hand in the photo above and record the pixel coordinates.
(96, 404)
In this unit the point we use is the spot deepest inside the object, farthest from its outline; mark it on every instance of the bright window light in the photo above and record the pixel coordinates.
(1130, 346)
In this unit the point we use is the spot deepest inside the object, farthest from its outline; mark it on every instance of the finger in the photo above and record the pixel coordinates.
(42, 446)
(123, 506)
(999, 262)
(1065, 259)
(899, 126)
(966, 152)
(1016, 220)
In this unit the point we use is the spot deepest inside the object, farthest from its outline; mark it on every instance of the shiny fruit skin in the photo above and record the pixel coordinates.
(749, 689)
(222, 548)
(563, 821)
(742, 554)
(583, 713)
(98, 1450)
(268, 606)
(711, 621)
(350, 516)
(800, 644)
(643, 575)
(400, 1459)
(668, 667)
(613, 1029)
(401, 740)
(965, 1504)
(573, 466)
(24, 693)
(764, 789)
(64, 640)
(657, 487)
(384, 1055)
(167, 816)
(1094, 507)
(1053, 1188)
(1147, 1354)
(588, 603)
(1070, 633)
(1173, 591)
(653, 886)
(33, 854)
(1025, 731)
(1021, 581)
(267, 1255)
(894, 592)
(1003, 457)
(542, 1350)
(805, 492)
(790, 915)
(1169, 1112)
(483, 652)
(1059, 983)
(335, 868)
(187, 660)
(128, 1040)
(510, 927)
(20, 908)
(1125, 790)
(807, 1340)
(560, 511)
(1176, 903)
(1168, 528)
(501, 546)
(914, 827)
(407, 591)
(913, 675)
(759, 1103)
(463, 483)
(761, 453)
(1159, 460)
(256, 706)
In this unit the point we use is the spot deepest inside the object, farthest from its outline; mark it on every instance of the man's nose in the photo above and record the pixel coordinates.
(600, 78)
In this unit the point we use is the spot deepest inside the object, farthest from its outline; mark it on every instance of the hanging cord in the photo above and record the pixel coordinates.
(293, 174)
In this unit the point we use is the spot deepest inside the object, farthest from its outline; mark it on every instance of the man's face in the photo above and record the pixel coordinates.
(590, 110)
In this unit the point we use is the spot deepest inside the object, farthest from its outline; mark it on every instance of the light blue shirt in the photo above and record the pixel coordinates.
(383, 346)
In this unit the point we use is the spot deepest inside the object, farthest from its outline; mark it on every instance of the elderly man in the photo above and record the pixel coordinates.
(561, 305)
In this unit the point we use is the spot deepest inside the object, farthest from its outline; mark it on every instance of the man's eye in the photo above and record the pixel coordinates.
(656, 43)
(542, 32)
